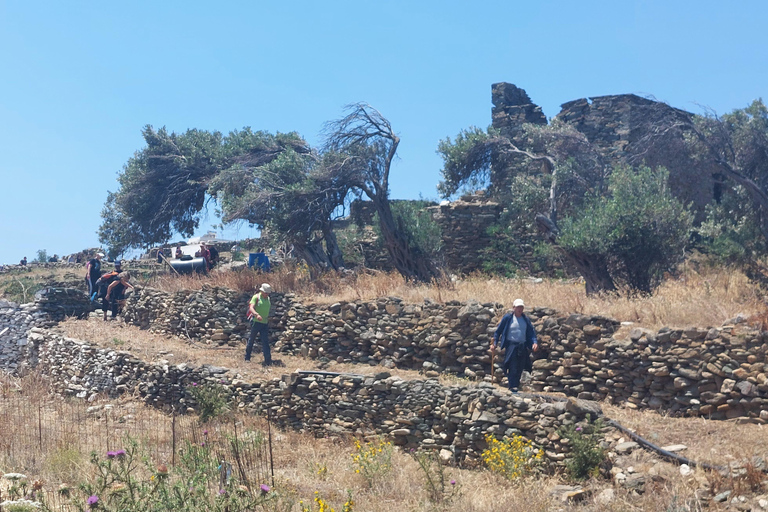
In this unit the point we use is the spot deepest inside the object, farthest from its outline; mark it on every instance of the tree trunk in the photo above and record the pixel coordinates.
(397, 245)
(332, 250)
(313, 254)
(594, 269)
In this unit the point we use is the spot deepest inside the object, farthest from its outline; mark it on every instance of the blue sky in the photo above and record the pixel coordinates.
(79, 80)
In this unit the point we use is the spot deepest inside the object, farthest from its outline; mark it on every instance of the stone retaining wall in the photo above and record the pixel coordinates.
(714, 372)
(15, 322)
(418, 413)
(212, 314)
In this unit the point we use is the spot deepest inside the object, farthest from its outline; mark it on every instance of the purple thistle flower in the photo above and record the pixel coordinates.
(222, 491)
(120, 454)
(202, 444)
(578, 429)
(93, 500)
(264, 488)
(111, 455)
(453, 482)
(194, 383)
(205, 432)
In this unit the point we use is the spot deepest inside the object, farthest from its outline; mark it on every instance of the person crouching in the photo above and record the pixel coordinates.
(115, 298)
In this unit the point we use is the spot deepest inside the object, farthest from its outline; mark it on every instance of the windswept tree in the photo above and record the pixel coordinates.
(291, 196)
(257, 176)
(737, 145)
(364, 145)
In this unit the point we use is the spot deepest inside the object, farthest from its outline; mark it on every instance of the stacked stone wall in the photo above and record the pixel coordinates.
(714, 372)
(212, 314)
(464, 227)
(414, 414)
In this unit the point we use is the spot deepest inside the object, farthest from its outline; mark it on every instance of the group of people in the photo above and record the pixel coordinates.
(110, 287)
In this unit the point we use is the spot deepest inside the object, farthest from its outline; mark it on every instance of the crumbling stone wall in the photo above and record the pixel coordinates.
(414, 414)
(714, 372)
(464, 226)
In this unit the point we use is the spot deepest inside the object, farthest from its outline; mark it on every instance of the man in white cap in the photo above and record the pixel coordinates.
(258, 313)
(516, 335)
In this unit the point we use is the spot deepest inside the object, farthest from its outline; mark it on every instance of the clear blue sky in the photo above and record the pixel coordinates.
(78, 80)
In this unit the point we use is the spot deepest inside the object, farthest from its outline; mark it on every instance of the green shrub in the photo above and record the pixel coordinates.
(416, 224)
(212, 399)
(127, 481)
(372, 460)
(586, 453)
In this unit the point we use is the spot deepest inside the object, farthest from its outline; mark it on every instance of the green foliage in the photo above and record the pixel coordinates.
(212, 399)
(20, 289)
(527, 195)
(127, 481)
(641, 228)
(466, 161)
(64, 463)
(165, 186)
(42, 256)
(512, 457)
(372, 460)
(350, 247)
(730, 232)
(735, 227)
(440, 488)
(416, 224)
(586, 453)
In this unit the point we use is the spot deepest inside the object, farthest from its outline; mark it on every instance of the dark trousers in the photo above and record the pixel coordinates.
(263, 331)
(514, 368)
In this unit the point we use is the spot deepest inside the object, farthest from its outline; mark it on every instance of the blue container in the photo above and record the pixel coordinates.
(259, 260)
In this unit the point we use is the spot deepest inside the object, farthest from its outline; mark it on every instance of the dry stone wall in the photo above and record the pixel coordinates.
(418, 413)
(212, 314)
(714, 372)
(464, 226)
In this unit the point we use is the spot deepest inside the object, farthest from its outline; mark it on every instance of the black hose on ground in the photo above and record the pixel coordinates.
(664, 453)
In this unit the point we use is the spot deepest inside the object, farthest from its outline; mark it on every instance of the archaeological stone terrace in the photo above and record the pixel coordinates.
(717, 372)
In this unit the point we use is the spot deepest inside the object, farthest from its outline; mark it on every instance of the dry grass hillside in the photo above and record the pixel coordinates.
(700, 296)
(305, 465)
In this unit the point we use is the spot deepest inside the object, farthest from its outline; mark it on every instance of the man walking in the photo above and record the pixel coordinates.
(258, 314)
(516, 335)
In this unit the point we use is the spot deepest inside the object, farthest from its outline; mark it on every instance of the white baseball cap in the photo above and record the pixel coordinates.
(265, 288)
(518, 302)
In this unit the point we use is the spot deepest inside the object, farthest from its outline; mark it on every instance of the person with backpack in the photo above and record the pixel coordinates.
(104, 281)
(258, 314)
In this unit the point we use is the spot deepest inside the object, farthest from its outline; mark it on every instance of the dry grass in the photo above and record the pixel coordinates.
(704, 296)
(298, 456)
(149, 346)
